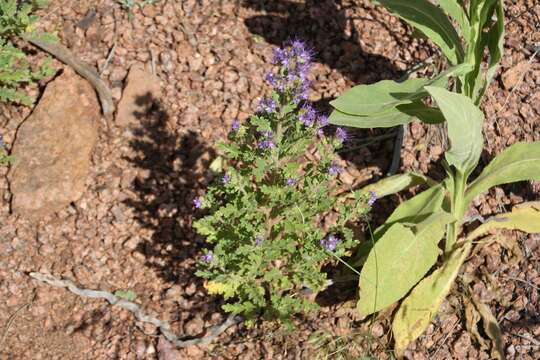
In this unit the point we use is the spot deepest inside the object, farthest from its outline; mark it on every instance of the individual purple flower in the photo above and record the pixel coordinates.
(208, 257)
(280, 57)
(330, 242)
(291, 181)
(307, 115)
(258, 240)
(341, 134)
(235, 125)
(334, 168)
(197, 203)
(372, 198)
(267, 105)
(266, 144)
(226, 179)
(271, 78)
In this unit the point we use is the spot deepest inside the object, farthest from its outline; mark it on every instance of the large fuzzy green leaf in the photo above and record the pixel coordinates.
(456, 11)
(518, 162)
(401, 114)
(524, 217)
(481, 11)
(431, 21)
(419, 206)
(379, 97)
(418, 309)
(494, 39)
(393, 184)
(399, 259)
(464, 128)
(384, 96)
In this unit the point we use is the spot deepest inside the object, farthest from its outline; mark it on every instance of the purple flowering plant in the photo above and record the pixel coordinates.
(268, 224)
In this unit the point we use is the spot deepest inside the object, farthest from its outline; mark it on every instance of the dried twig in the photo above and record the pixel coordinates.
(139, 314)
(12, 318)
(66, 56)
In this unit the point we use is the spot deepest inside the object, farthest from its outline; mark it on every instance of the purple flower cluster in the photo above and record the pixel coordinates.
(330, 242)
(197, 203)
(208, 257)
(267, 105)
(235, 125)
(372, 198)
(334, 168)
(295, 61)
(267, 142)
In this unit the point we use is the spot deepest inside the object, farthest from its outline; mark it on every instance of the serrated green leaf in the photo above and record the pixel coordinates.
(431, 21)
(518, 162)
(399, 259)
(396, 183)
(418, 309)
(524, 217)
(465, 122)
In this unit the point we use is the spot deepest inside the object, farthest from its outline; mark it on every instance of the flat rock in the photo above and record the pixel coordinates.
(53, 147)
(141, 92)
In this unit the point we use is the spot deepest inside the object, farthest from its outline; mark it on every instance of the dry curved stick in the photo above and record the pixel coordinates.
(66, 56)
(139, 314)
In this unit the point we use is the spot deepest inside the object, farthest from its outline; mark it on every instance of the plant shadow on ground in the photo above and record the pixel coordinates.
(173, 167)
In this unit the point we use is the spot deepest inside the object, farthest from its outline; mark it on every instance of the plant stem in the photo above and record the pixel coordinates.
(458, 210)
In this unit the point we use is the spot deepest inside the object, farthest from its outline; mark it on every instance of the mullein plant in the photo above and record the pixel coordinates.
(266, 225)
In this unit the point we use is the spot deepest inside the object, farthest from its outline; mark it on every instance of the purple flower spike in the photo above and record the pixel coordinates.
(267, 105)
(334, 168)
(208, 257)
(235, 125)
(258, 240)
(226, 179)
(291, 181)
(372, 198)
(341, 134)
(330, 242)
(197, 203)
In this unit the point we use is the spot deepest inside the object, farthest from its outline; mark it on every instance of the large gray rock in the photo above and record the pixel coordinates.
(53, 146)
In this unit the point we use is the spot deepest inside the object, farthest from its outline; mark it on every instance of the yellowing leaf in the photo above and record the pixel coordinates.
(419, 308)
(215, 287)
(524, 217)
(399, 259)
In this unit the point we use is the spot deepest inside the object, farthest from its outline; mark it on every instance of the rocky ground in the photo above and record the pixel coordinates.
(122, 217)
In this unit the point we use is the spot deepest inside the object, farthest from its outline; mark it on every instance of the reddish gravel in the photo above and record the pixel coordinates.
(132, 227)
